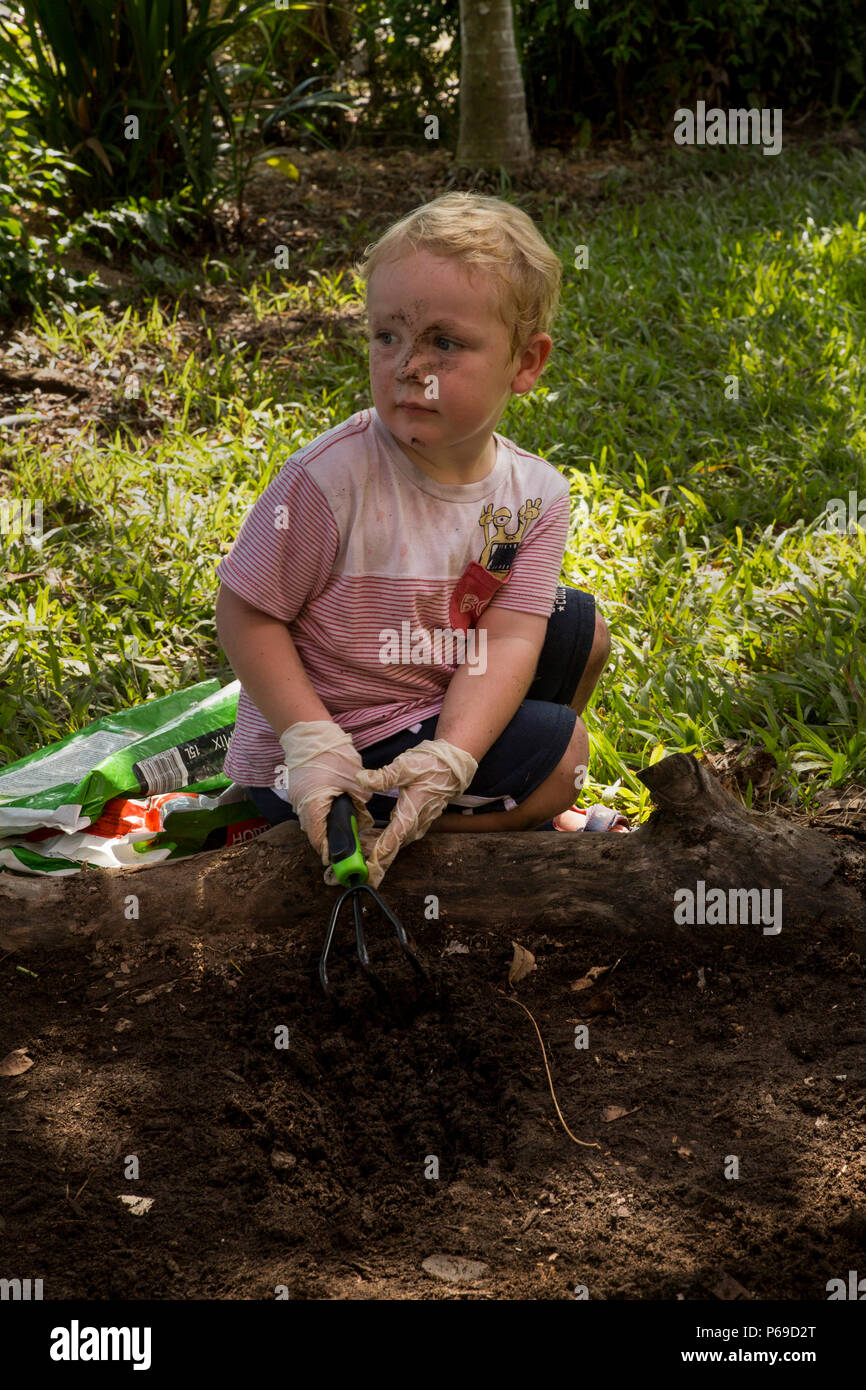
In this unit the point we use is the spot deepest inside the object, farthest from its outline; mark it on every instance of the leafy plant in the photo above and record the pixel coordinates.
(735, 612)
(133, 223)
(294, 103)
(130, 89)
(29, 268)
(634, 61)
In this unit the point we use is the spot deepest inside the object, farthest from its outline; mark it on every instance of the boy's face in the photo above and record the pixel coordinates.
(430, 318)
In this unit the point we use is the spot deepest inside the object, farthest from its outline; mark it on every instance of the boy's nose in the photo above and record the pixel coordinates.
(412, 363)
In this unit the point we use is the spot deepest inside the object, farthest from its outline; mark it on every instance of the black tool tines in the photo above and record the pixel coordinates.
(349, 866)
(354, 893)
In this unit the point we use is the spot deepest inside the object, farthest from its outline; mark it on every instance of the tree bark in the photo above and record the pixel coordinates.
(564, 882)
(494, 131)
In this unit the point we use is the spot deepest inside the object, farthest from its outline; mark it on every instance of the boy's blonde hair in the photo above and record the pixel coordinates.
(489, 233)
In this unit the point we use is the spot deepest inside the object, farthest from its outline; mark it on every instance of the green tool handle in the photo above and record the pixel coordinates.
(344, 842)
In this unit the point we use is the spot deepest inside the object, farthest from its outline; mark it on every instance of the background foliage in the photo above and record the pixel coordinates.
(698, 520)
(214, 83)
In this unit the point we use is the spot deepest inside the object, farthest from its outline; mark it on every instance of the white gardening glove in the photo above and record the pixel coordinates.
(321, 762)
(429, 775)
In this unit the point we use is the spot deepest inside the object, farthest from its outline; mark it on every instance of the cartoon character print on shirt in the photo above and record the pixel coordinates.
(484, 576)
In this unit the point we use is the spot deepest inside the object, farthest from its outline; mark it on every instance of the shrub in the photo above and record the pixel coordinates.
(131, 90)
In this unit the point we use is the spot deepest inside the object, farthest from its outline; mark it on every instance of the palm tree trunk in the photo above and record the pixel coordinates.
(494, 131)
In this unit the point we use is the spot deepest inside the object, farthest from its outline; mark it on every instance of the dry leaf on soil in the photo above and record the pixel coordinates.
(729, 1289)
(522, 964)
(616, 1112)
(601, 1003)
(138, 1206)
(590, 977)
(14, 1063)
(454, 1269)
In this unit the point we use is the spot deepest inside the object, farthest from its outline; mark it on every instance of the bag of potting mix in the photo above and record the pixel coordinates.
(133, 788)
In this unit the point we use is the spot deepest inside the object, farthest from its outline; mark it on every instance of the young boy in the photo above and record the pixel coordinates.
(405, 525)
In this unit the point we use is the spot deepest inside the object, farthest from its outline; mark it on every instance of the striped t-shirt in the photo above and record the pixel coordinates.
(359, 553)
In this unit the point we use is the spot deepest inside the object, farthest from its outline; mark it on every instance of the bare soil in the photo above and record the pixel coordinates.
(311, 1165)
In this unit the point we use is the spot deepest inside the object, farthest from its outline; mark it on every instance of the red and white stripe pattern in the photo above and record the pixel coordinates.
(351, 539)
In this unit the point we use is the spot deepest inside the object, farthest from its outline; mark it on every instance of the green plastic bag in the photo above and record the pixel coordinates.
(134, 833)
(179, 741)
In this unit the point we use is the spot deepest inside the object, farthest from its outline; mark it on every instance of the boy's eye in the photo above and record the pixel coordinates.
(384, 333)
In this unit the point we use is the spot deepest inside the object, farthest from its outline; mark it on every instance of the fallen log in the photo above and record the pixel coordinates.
(699, 841)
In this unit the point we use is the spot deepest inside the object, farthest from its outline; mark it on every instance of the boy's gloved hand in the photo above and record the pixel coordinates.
(429, 775)
(322, 761)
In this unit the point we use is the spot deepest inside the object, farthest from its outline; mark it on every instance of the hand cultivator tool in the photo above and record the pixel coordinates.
(350, 868)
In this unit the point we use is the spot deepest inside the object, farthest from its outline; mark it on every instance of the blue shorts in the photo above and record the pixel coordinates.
(527, 750)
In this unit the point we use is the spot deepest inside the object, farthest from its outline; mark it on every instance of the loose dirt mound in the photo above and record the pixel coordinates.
(305, 1166)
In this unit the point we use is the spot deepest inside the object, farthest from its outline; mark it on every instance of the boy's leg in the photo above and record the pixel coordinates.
(598, 658)
(554, 795)
(574, 654)
(274, 808)
(558, 792)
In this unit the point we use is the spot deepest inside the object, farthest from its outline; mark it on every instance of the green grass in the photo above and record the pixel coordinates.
(697, 519)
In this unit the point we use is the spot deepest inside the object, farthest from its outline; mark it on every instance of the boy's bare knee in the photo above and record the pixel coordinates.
(579, 738)
(600, 650)
(599, 653)
(573, 764)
